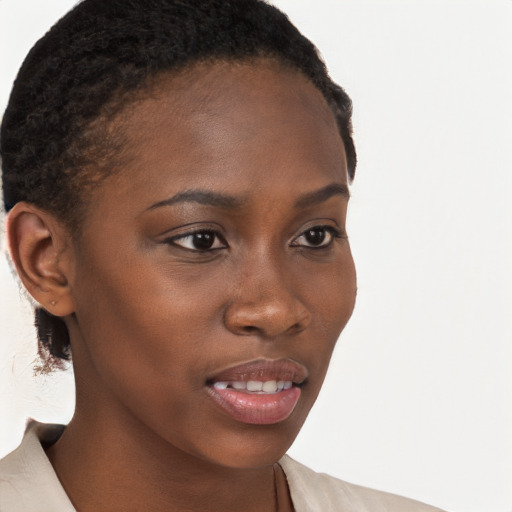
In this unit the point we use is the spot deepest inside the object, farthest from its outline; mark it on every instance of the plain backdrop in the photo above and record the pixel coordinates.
(418, 400)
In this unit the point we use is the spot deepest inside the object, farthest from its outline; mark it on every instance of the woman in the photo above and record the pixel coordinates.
(176, 176)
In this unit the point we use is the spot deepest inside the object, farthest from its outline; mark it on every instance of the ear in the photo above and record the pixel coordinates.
(40, 248)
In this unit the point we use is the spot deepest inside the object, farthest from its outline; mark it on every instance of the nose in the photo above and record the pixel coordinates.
(265, 305)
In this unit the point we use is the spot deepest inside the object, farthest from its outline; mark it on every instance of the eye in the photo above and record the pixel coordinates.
(317, 237)
(204, 240)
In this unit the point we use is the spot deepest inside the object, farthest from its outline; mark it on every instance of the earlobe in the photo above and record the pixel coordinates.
(37, 244)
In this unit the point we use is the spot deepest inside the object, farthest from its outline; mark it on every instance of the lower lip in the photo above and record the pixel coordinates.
(256, 408)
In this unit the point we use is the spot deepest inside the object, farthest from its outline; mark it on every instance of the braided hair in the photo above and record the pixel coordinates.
(55, 137)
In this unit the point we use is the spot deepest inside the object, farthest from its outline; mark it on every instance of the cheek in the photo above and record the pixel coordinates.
(332, 294)
(144, 342)
(152, 333)
(331, 297)
(145, 317)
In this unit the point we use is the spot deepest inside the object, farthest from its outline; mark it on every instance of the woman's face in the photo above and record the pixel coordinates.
(213, 275)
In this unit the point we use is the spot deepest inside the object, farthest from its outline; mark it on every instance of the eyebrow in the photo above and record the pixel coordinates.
(219, 200)
(321, 195)
(205, 197)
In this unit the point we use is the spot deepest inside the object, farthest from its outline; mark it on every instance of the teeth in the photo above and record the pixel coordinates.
(256, 386)
(270, 386)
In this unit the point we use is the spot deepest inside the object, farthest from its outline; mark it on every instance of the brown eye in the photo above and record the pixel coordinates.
(316, 237)
(205, 240)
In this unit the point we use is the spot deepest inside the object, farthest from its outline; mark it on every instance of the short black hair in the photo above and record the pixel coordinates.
(54, 140)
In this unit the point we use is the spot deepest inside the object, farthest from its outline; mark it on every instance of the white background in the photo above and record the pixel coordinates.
(418, 400)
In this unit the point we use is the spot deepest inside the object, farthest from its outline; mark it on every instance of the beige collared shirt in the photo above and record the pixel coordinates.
(28, 483)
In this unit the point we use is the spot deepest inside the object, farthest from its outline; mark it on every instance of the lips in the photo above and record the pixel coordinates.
(260, 392)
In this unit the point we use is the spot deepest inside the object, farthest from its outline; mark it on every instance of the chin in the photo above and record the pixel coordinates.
(253, 446)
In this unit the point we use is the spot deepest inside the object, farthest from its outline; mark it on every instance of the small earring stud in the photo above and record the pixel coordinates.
(53, 303)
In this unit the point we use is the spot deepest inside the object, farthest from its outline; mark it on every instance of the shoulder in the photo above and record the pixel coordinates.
(28, 482)
(313, 491)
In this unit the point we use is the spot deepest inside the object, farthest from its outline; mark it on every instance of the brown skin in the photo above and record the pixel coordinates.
(151, 321)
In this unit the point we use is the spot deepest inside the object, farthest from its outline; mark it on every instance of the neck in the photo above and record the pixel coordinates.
(105, 466)
(107, 459)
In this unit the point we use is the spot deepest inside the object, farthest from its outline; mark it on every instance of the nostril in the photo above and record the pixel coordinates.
(251, 329)
(296, 327)
(267, 318)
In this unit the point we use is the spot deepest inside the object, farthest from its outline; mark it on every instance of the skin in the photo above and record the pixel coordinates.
(151, 319)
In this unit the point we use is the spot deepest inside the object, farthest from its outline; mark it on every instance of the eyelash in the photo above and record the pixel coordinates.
(332, 233)
(217, 238)
(203, 234)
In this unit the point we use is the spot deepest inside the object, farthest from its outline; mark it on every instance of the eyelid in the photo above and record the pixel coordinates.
(334, 232)
(219, 238)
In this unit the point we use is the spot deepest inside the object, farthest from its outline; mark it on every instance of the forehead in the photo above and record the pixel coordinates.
(231, 125)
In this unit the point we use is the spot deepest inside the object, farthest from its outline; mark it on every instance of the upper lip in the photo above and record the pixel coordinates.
(263, 370)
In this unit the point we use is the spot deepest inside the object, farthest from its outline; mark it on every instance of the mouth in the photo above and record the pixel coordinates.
(260, 392)
(255, 386)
